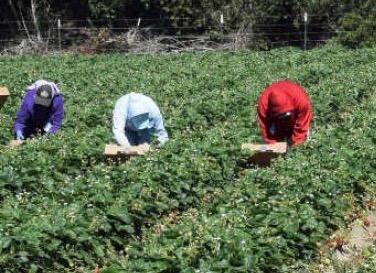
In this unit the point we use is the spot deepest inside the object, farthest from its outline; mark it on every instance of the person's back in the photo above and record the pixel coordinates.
(135, 118)
(284, 113)
(42, 110)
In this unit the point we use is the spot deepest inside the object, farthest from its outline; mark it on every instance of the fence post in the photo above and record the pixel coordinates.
(221, 20)
(59, 32)
(305, 30)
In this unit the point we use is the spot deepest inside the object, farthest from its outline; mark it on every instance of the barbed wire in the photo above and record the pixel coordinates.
(172, 19)
(266, 29)
(223, 36)
(61, 32)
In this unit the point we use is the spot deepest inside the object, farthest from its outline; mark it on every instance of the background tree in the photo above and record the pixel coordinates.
(264, 24)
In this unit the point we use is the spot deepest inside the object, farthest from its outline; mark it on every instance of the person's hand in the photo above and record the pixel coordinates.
(19, 135)
(47, 127)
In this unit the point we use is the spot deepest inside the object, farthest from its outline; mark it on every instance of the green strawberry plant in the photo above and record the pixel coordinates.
(63, 208)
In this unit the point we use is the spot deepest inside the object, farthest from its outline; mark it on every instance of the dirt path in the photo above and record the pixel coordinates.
(344, 251)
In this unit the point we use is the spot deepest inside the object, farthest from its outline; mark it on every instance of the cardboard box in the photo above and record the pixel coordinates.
(264, 153)
(15, 143)
(114, 152)
(4, 94)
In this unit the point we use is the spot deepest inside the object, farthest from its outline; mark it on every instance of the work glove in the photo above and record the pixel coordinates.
(47, 127)
(19, 135)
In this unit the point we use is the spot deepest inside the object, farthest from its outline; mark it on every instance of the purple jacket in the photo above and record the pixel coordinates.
(31, 116)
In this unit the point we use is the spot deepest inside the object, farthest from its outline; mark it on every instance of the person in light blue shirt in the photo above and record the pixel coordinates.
(135, 118)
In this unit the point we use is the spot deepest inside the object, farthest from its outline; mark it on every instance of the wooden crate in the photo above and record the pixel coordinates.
(264, 153)
(4, 94)
(116, 153)
(15, 143)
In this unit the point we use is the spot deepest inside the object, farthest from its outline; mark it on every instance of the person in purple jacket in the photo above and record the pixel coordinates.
(41, 111)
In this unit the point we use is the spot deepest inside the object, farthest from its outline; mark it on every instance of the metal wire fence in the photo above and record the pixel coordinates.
(125, 34)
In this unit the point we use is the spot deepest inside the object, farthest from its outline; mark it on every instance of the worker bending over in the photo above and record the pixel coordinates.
(41, 111)
(284, 113)
(135, 118)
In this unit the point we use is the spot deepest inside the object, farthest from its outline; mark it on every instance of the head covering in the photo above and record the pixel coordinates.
(138, 114)
(279, 103)
(44, 95)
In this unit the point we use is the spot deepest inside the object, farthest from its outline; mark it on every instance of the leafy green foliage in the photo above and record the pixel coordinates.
(62, 208)
(357, 28)
(259, 24)
(270, 220)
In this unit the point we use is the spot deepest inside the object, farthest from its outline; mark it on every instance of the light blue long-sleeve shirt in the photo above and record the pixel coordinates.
(122, 114)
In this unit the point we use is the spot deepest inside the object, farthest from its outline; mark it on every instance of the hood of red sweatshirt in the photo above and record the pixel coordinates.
(279, 102)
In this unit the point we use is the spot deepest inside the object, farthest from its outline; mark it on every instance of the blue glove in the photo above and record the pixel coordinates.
(47, 127)
(19, 135)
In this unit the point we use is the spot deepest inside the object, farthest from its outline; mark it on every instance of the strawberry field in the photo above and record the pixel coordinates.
(189, 207)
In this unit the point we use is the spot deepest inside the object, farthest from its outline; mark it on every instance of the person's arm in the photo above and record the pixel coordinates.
(262, 119)
(22, 115)
(119, 121)
(158, 128)
(160, 131)
(57, 115)
(302, 124)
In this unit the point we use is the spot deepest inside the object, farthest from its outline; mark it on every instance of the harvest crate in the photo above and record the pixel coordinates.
(116, 153)
(4, 94)
(264, 153)
(15, 143)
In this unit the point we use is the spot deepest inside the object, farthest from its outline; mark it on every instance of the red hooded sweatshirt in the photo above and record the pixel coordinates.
(281, 97)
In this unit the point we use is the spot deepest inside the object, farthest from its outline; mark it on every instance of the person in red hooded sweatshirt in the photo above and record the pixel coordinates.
(284, 113)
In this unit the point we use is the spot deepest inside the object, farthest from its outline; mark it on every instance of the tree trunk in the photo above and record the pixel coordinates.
(14, 11)
(35, 20)
(23, 21)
